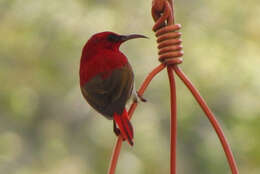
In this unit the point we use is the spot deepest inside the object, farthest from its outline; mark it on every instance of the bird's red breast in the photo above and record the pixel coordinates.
(102, 64)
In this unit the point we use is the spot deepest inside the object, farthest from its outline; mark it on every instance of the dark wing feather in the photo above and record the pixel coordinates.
(110, 95)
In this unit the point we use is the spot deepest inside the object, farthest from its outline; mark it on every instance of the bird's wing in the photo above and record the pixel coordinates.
(109, 95)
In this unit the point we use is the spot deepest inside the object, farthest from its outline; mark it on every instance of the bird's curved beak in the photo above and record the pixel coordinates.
(132, 36)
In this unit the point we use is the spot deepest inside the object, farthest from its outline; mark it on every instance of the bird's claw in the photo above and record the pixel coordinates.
(141, 97)
(117, 131)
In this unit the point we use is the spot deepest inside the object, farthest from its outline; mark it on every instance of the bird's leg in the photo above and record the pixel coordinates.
(136, 96)
(141, 97)
(116, 130)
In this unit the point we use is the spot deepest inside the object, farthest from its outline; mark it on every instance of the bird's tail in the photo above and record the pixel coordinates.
(125, 126)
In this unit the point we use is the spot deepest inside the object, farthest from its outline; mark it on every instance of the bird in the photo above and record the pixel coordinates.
(107, 79)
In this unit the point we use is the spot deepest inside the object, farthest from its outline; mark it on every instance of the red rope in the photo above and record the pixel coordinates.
(211, 117)
(173, 121)
(170, 52)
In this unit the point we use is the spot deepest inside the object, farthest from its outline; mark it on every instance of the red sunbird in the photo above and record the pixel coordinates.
(107, 79)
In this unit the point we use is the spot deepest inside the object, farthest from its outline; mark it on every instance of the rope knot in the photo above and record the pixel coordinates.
(158, 5)
(168, 39)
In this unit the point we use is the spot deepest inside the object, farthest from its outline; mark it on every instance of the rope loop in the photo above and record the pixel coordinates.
(168, 39)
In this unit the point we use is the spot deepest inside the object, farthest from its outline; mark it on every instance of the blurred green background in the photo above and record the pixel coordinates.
(46, 127)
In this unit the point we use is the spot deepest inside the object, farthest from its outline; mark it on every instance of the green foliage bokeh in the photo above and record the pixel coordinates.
(46, 127)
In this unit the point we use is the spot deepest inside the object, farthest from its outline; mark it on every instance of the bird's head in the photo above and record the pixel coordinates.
(108, 40)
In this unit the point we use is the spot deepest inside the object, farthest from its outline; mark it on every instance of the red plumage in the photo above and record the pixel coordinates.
(107, 79)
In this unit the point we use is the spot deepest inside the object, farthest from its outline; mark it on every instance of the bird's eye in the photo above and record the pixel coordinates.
(113, 38)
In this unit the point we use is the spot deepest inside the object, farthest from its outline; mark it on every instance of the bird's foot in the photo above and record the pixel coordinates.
(117, 130)
(137, 97)
(141, 98)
